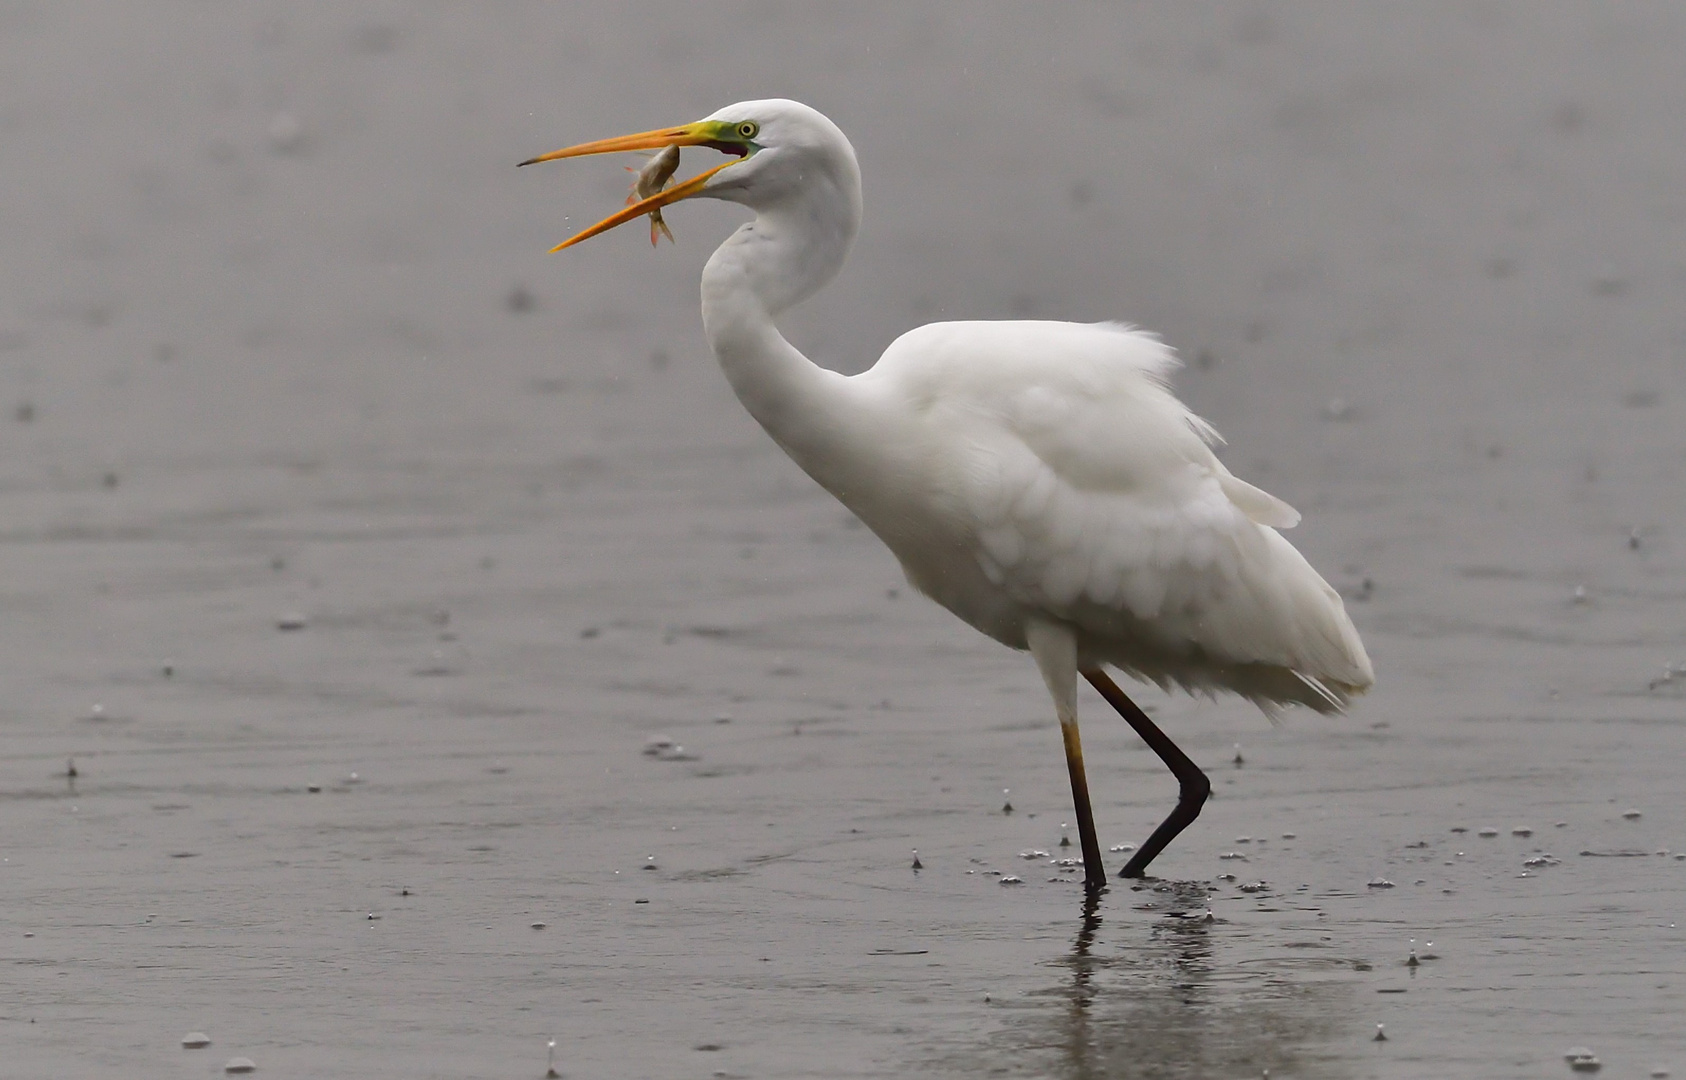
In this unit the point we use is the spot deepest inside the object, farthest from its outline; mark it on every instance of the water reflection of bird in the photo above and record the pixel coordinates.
(1038, 479)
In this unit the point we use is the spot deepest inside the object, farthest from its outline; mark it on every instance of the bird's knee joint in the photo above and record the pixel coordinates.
(1194, 789)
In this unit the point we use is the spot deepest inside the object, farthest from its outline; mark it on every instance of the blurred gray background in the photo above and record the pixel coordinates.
(280, 346)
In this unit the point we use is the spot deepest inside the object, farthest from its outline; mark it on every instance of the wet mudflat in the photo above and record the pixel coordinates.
(447, 665)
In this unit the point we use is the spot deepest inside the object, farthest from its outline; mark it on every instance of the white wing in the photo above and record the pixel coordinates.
(1084, 489)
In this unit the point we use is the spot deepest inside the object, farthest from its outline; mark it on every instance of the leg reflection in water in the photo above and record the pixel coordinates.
(1167, 993)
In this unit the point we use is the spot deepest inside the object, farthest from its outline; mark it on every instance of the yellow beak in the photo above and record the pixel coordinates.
(702, 133)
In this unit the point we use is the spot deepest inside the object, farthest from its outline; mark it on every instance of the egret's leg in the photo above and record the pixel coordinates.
(1194, 787)
(1055, 649)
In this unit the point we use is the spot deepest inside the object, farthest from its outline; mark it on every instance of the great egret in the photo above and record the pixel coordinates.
(1037, 479)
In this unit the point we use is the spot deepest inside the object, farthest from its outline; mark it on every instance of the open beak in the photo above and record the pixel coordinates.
(702, 133)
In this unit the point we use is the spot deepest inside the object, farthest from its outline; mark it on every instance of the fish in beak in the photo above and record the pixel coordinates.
(736, 139)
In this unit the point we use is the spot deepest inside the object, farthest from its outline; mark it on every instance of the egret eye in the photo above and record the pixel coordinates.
(748, 129)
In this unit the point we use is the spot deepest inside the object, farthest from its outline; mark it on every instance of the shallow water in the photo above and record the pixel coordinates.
(281, 347)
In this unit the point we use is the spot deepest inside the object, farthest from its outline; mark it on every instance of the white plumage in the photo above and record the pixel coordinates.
(1046, 471)
(1037, 479)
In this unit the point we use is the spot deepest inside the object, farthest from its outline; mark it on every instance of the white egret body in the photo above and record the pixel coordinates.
(1037, 479)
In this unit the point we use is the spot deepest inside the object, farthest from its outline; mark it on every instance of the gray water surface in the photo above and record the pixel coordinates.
(317, 473)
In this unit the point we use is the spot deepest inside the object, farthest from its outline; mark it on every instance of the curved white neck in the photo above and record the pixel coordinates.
(770, 263)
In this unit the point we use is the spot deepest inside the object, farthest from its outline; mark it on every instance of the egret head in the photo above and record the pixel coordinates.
(781, 152)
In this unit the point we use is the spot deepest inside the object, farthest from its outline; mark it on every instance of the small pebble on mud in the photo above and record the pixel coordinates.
(1581, 1059)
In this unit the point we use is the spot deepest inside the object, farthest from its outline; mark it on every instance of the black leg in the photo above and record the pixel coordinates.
(1194, 785)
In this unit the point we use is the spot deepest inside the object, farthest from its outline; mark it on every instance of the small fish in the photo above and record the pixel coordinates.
(651, 179)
